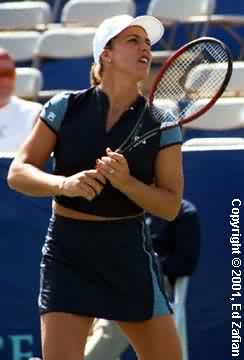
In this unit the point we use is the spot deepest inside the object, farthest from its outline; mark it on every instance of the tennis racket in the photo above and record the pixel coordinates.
(187, 85)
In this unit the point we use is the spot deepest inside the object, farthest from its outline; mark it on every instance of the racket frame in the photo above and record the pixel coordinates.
(127, 148)
(176, 55)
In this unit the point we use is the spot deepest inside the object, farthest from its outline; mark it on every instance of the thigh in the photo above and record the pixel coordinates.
(155, 339)
(64, 335)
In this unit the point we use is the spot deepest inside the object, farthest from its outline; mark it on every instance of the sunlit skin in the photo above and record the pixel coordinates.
(128, 48)
(123, 66)
(7, 79)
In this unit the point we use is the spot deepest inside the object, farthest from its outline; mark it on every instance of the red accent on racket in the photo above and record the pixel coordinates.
(187, 85)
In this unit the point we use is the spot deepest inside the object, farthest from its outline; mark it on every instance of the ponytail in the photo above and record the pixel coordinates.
(96, 72)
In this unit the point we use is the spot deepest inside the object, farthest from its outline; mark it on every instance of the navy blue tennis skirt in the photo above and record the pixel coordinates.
(103, 269)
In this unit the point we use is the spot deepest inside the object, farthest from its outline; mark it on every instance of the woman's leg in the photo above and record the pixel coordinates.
(64, 335)
(155, 339)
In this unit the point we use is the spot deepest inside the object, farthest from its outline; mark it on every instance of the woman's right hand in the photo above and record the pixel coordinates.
(87, 184)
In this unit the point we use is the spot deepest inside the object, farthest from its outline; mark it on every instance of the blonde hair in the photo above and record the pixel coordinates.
(96, 72)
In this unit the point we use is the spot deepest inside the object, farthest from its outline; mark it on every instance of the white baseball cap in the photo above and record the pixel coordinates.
(111, 27)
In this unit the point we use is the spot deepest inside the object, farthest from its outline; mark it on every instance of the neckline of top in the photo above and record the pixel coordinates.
(102, 94)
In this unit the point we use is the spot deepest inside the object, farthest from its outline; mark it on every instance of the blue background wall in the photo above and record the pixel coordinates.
(213, 179)
(23, 224)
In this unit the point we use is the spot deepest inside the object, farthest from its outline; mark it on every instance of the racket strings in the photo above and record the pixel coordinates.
(175, 72)
(216, 52)
(178, 69)
(214, 76)
(196, 74)
(186, 87)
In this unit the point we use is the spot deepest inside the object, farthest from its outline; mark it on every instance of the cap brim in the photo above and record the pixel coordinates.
(113, 26)
(153, 27)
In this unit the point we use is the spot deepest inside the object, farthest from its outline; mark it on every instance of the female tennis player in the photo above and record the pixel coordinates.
(97, 259)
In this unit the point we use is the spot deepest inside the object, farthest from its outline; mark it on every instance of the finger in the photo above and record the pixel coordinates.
(87, 190)
(84, 193)
(108, 173)
(90, 177)
(94, 184)
(96, 175)
(112, 163)
(105, 159)
(116, 156)
(108, 168)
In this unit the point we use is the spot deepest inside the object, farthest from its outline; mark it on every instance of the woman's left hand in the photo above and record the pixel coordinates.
(115, 168)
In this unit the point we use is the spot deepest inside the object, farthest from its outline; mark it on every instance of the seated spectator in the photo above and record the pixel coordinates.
(17, 116)
(177, 244)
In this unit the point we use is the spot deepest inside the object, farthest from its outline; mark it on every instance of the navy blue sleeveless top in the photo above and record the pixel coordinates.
(79, 121)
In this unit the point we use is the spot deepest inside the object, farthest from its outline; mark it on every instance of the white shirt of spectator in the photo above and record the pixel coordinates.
(16, 121)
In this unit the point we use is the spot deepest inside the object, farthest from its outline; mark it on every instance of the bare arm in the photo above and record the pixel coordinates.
(26, 174)
(164, 198)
